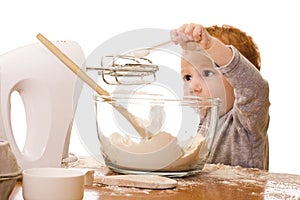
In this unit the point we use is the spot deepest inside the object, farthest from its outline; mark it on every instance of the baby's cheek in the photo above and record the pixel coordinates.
(217, 89)
(186, 90)
(206, 91)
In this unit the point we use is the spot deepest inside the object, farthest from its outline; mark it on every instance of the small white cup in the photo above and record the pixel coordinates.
(53, 184)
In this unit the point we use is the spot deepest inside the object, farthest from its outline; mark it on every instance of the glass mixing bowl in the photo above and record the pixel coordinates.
(174, 136)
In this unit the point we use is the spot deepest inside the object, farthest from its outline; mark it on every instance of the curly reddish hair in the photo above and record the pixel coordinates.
(230, 35)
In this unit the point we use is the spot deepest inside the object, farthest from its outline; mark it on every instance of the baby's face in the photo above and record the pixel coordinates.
(202, 79)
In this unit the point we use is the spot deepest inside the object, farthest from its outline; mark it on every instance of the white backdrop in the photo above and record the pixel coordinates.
(273, 26)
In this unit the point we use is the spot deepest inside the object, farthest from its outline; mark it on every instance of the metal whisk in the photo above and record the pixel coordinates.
(129, 69)
(126, 70)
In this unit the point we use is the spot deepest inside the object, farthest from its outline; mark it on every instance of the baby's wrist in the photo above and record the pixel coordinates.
(211, 43)
(219, 52)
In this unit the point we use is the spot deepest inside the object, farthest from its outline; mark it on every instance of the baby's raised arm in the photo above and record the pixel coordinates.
(219, 52)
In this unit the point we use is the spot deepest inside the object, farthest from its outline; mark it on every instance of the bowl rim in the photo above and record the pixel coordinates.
(156, 98)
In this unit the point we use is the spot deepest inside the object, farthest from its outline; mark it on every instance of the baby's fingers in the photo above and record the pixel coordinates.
(197, 33)
(178, 37)
(188, 31)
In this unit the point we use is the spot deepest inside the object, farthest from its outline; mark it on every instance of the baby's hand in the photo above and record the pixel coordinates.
(191, 33)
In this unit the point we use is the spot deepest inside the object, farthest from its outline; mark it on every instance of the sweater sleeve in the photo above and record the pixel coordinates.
(251, 105)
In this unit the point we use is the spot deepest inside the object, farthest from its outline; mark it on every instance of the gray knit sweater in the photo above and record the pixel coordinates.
(242, 132)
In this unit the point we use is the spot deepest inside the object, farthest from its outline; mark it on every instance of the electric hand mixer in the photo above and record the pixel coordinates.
(49, 93)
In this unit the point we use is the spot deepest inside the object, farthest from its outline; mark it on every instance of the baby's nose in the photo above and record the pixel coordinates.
(195, 88)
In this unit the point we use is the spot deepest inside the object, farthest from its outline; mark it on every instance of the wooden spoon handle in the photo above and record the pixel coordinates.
(71, 65)
(89, 81)
(139, 181)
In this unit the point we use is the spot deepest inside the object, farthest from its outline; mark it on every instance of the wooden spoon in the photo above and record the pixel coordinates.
(90, 82)
(138, 181)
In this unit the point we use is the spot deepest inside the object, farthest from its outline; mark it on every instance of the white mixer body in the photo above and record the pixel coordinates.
(49, 91)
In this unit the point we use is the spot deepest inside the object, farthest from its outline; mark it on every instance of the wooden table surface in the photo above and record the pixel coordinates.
(215, 182)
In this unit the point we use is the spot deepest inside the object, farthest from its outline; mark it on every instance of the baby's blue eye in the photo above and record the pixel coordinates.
(187, 77)
(207, 73)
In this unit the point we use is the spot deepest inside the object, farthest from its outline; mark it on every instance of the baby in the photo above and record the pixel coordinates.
(224, 62)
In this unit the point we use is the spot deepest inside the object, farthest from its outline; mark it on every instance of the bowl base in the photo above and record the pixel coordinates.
(170, 174)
